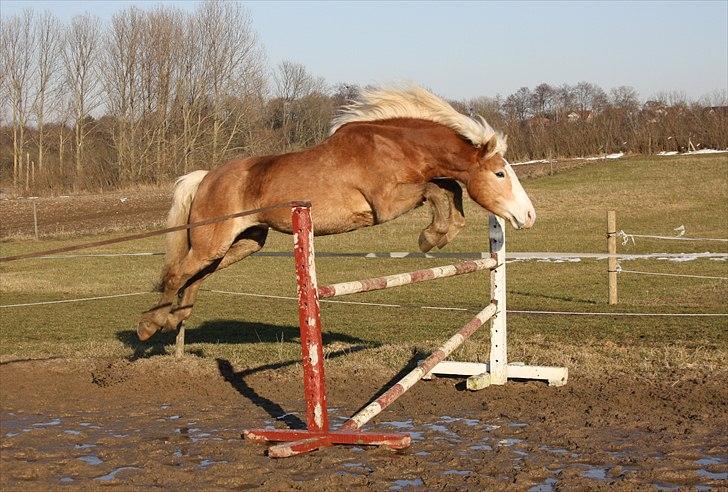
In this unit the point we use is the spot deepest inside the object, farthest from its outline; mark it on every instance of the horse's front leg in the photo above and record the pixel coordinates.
(456, 221)
(446, 204)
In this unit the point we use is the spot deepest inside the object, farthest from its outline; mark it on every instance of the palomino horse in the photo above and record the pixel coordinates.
(385, 154)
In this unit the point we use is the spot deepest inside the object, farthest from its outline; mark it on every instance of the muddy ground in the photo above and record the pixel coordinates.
(81, 424)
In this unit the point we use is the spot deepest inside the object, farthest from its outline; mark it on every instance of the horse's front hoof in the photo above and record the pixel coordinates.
(428, 240)
(146, 329)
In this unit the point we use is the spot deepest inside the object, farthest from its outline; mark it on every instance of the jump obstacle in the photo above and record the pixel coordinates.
(318, 433)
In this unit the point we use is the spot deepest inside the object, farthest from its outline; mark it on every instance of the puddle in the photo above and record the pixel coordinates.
(481, 447)
(509, 441)
(461, 473)
(712, 475)
(399, 424)
(72, 432)
(65, 480)
(422, 453)
(84, 446)
(548, 485)
(595, 473)
(665, 486)
(442, 429)
(468, 422)
(402, 484)
(209, 463)
(48, 424)
(517, 425)
(112, 475)
(553, 449)
(91, 459)
(711, 460)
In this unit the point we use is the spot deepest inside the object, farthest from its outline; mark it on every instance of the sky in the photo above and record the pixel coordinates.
(469, 49)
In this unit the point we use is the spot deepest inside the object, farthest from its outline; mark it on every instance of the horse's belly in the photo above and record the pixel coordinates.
(330, 217)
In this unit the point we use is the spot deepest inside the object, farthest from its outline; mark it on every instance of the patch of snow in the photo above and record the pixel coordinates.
(665, 152)
(537, 161)
(616, 155)
(706, 151)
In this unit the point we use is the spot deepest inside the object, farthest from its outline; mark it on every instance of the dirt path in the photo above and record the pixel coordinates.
(156, 422)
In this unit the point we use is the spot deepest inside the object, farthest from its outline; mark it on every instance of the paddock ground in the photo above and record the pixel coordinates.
(83, 404)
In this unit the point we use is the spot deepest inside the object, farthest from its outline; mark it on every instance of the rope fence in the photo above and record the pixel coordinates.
(376, 304)
(614, 268)
(157, 232)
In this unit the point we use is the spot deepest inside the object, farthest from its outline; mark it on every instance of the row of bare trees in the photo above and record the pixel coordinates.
(583, 119)
(156, 93)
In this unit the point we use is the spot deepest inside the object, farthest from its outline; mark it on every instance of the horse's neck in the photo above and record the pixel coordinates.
(429, 148)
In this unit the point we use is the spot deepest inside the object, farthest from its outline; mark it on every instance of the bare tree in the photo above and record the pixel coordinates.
(17, 46)
(232, 63)
(80, 57)
(542, 99)
(625, 97)
(49, 36)
(517, 104)
(120, 61)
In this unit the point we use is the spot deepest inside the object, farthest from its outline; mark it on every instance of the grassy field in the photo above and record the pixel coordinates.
(650, 195)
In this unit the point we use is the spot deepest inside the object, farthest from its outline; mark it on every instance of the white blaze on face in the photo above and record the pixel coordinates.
(523, 215)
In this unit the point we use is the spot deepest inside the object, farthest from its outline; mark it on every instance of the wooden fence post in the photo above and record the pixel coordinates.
(612, 249)
(35, 220)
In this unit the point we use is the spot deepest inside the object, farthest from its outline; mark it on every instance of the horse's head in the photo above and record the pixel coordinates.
(493, 184)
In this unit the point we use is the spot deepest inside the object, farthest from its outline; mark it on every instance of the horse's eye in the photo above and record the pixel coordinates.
(500, 174)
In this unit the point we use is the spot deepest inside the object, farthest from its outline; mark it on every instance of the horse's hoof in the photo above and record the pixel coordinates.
(146, 329)
(424, 243)
(429, 240)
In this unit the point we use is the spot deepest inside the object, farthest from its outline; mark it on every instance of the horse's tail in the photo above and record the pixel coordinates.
(177, 243)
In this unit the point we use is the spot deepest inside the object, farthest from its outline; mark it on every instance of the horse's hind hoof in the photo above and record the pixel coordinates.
(146, 329)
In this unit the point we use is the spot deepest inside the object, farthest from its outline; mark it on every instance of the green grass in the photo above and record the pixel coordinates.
(650, 195)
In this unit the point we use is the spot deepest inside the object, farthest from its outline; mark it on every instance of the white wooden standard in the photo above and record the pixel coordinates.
(498, 370)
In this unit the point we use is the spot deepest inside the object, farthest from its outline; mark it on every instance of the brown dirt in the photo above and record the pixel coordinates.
(85, 214)
(161, 423)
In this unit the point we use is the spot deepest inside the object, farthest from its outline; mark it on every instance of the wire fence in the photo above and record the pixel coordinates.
(375, 304)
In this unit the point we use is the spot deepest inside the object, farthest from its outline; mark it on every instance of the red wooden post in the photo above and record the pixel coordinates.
(309, 317)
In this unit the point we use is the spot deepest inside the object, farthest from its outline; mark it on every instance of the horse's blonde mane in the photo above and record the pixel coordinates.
(416, 102)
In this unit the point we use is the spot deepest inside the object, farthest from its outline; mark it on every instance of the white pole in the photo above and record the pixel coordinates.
(498, 335)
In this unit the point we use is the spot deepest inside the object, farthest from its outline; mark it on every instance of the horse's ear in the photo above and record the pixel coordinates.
(490, 147)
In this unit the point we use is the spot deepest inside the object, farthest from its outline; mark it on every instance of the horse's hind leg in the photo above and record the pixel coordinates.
(175, 277)
(247, 243)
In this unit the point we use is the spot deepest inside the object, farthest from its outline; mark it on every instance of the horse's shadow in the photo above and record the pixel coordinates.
(223, 331)
(238, 332)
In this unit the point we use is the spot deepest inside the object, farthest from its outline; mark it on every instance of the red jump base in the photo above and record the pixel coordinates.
(304, 441)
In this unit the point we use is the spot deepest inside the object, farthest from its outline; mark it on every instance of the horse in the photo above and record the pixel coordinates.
(389, 151)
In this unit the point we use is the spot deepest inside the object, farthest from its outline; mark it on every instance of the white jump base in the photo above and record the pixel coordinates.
(498, 371)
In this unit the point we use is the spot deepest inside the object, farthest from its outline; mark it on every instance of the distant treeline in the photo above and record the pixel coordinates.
(154, 94)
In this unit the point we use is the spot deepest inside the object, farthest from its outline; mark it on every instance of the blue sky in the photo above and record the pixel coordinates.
(466, 49)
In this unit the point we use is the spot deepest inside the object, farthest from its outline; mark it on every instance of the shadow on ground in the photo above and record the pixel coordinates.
(226, 332)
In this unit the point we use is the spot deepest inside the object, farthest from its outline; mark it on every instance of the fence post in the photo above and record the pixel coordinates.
(612, 249)
(35, 220)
